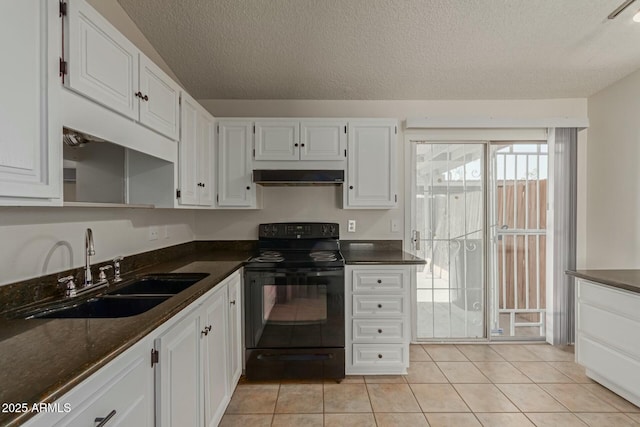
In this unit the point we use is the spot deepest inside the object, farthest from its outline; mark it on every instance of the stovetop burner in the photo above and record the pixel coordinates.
(298, 245)
(269, 256)
(323, 256)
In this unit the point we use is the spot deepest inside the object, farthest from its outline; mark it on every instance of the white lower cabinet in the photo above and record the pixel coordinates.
(193, 385)
(607, 337)
(377, 329)
(234, 290)
(121, 391)
(182, 374)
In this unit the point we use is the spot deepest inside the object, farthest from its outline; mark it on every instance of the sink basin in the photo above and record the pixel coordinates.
(103, 307)
(160, 284)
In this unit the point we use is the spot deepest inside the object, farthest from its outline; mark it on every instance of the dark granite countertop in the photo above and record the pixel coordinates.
(41, 359)
(377, 252)
(622, 279)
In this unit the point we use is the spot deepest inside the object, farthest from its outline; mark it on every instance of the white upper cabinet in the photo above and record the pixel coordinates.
(371, 165)
(323, 140)
(235, 187)
(30, 136)
(159, 98)
(188, 152)
(310, 139)
(105, 66)
(206, 161)
(196, 162)
(277, 140)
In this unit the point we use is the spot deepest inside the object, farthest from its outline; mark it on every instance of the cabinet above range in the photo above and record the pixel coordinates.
(360, 154)
(308, 139)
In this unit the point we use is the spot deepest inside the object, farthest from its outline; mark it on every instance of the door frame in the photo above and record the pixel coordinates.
(486, 136)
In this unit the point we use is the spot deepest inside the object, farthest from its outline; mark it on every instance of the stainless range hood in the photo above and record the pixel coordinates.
(298, 177)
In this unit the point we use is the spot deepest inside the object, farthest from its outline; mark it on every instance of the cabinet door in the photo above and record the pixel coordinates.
(214, 349)
(159, 107)
(188, 151)
(235, 331)
(103, 64)
(372, 165)
(28, 167)
(323, 140)
(235, 188)
(127, 398)
(277, 140)
(178, 383)
(205, 162)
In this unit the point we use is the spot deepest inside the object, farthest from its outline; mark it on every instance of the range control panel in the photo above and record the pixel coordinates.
(299, 230)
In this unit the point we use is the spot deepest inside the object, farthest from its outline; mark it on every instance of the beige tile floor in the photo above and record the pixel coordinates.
(447, 385)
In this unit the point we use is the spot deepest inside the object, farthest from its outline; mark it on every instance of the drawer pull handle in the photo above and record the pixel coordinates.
(379, 305)
(104, 420)
(379, 281)
(379, 356)
(379, 331)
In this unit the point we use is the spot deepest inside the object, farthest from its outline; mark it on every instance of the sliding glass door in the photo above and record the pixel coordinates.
(449, 216)
(479, 219)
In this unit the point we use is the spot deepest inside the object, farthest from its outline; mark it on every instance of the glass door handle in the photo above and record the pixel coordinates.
(416, 240)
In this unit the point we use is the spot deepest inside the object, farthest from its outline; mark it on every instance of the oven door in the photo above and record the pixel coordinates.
(297, 308)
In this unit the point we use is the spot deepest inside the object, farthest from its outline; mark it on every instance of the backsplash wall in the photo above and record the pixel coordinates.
(39, 241)
(294, 203)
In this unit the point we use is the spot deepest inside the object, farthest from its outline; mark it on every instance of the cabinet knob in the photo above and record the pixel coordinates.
(351, 187)
(379, 331)
(301, 145)
(295, 145)
(233, 302)
(379, 356)
(379, 281)
(146, 98)
(248, 187)
(138, 94)
(203, 185)
(379, 305)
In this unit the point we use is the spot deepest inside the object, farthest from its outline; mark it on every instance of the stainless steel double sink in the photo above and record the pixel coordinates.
(128, 299)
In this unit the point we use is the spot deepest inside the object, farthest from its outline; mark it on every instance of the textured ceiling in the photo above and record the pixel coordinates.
(391, 49)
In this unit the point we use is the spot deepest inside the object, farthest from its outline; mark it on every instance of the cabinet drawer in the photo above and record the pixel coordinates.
(126, 396)
(379, 280)
(378, 354)
(621, 370)
(609, 328)
(384, 330)
(378, 305)
(618, 301)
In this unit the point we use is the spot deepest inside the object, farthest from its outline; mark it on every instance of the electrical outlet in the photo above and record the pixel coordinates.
(395, 226)
(153, 232)
(351, 228)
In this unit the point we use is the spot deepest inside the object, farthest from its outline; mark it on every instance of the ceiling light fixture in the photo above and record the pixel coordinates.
(621, 8)
(636, 17)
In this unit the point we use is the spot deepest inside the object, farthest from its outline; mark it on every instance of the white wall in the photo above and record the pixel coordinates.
(321, 203)
(39, 241)
(613, 176)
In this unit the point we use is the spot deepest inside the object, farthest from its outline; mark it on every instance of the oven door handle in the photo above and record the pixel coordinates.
(292, 357)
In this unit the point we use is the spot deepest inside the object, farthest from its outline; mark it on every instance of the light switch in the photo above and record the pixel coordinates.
(395, 226)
